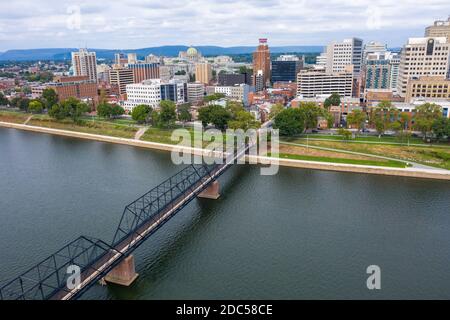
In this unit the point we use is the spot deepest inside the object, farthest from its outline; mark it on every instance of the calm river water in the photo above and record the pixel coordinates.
(301, 234)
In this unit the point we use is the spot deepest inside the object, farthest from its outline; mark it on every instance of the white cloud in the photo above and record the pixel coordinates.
(144, 23)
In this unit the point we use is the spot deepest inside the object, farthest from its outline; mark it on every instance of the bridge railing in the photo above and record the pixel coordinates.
(149, 206)
(48, 278)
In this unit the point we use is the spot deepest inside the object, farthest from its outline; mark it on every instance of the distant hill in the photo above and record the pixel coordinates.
(169, 51)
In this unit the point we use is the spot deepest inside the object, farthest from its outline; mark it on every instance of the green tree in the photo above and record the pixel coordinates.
(74, 108)
(23, 104)
(184, 113)
(140, 113)
(244, 120)
(51, 97)
(425, 117)
(396, 126)
(405, 120)
(310, 114)
(357, 118)
(275, 110)
(35, 106)
(57, 112)
(204, 115)
(20, 102)
(290, 122)
(117, 111)
(333, 100)
(234, 107)
(3, 100)
(346, 134)
(382, 116)
(214, 97)
(104, 110)
(246, 70)
(217, 115)
(220, 117)
(441, 128)
(26, 90)
(167, 114)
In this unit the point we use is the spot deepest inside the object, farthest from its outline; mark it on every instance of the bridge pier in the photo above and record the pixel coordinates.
(212, 192)
(124, 274)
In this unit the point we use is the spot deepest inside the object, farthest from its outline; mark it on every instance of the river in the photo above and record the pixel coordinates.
(301, 234)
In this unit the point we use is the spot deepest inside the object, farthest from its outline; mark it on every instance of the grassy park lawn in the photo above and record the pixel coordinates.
(159, 135)
(427, 155)
(14, 117)
(100, 128)
(380, 163)
(371, 139)
(122, 121)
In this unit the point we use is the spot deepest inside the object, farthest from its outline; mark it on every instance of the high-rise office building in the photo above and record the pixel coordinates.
(395, 67)
(345, 53)
(377, 72)
(374, 47)
(422, 57)
(261, 63)
(132, 58)
(286, 68)
(103, 73)
(440, 28)
(203, 73)
(121, 77)
(148, 92)
(380, 70)
(258, 81)
(428, 88)
(238, 92)
(174, 90)
(85, 64)
(120, 59)
(195, 92)
(231, 79)
(144, 71)
(314, 83)
(153, 59)
(166, 73)
(80, 87)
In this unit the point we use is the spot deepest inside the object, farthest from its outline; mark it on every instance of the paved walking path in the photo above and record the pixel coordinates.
(414, 164)
(28, 120)
(140, 133)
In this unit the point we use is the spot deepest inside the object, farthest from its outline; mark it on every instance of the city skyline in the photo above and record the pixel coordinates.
(137, 24)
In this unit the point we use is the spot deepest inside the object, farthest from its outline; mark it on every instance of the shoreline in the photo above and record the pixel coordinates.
(436, 174)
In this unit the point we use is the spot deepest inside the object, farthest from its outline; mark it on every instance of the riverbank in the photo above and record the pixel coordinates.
(365, 169)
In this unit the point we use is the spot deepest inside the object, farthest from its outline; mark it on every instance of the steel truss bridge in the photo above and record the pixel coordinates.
(141, 219)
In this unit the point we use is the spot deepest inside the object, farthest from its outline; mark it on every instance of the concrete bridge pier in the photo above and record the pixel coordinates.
(212, 192)
(124, 274)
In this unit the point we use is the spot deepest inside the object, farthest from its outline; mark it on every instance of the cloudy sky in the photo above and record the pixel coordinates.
(135, 24)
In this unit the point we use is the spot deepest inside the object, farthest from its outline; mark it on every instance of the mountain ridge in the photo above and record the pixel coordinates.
(171, 51)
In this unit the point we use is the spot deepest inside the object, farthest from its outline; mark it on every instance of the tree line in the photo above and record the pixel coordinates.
(48, 99)
(427, 118)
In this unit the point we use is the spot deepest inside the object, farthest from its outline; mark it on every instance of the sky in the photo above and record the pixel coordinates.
(133, 24)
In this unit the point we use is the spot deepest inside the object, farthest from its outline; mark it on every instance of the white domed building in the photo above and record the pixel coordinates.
(191, 55)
